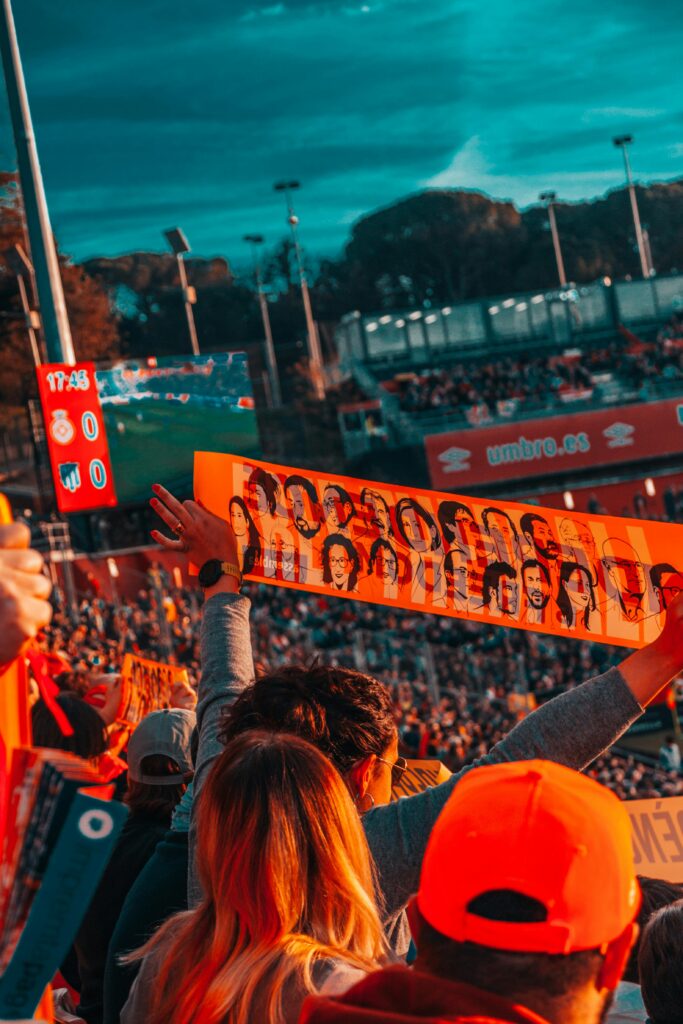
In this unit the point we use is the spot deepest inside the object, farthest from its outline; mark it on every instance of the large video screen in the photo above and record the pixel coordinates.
(158, 412)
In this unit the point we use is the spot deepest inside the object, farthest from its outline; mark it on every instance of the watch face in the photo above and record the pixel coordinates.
(210, 573)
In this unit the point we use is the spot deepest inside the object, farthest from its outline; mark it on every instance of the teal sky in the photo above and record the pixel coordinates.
(155, 112)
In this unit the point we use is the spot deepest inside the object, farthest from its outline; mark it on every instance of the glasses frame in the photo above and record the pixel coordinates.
(398, 769)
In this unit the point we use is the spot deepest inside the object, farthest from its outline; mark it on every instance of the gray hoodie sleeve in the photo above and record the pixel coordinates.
(227, 669)
(572, 729)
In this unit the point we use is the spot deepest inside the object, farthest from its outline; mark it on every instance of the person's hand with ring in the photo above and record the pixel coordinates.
(199, 532)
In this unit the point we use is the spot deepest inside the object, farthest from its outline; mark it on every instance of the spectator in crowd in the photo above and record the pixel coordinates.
(628, 1005)
(89, 736)
(572, 729)
(159, 768)
(660, 963)
(525, 910)
(289, 905)
(670, 754)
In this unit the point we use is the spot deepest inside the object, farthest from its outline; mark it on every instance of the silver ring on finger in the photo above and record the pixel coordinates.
(178, 528)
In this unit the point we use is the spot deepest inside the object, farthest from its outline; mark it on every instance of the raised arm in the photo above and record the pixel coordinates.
(572, 729)
(227, 664)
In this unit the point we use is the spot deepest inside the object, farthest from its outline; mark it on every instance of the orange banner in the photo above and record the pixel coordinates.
(592, 577)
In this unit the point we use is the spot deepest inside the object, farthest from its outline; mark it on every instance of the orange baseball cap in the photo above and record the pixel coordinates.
(540, 829)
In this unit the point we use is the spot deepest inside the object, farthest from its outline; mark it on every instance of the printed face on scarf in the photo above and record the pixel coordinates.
(386, 565)
(508, 595)
(301, 511)
(625, 571)
(579, 538)
(378, 513)
(537, 587)
(544, 539)
(456, 571)
(670, 586)
(336, 511)
(238, 520)
(578, 590)
(503, 536)
(257, 500)
(419, 537)
(340, 566)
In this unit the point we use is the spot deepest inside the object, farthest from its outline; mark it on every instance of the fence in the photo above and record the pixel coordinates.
(525, 321)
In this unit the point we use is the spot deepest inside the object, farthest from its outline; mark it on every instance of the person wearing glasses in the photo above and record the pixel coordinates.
(349, 716)
(341, 564)
(383, 578)
(624, 607)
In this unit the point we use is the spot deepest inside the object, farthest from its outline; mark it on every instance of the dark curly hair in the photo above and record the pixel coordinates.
(345, 714)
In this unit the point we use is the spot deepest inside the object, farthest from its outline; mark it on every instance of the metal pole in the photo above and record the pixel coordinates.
(636, 214)
(313, 340)
(30, 325)
(556, 245)
(43, 253)
(275, 391)
(187, 300)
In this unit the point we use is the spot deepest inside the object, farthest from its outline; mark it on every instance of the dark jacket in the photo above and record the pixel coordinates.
(159, 891)
(135, 846)
(402, 995)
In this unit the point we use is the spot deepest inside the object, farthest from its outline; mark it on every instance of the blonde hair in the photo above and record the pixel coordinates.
(288, 882)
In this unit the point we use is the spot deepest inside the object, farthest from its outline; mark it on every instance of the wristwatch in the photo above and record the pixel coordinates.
(211, 572)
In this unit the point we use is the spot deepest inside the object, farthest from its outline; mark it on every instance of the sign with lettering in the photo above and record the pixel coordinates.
(420, 775)
(146, 687)
(657, 830)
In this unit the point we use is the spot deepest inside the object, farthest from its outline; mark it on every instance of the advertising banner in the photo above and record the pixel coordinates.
(76, 439)
(592, 577)
(657, 831)
(560, 444)
(147, 687)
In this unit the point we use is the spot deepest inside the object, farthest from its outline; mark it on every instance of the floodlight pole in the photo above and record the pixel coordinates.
(43, 252)
(187, 302)
(549, 198)
(622, 142)
(313, 341)
(179, 244)
(273, 377)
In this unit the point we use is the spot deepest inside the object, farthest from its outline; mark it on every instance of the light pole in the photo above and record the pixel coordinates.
(179, 244)
(549, 198)
(276, 396)
(19, 262)
(48, 279)
(622, 142)
(313, 341)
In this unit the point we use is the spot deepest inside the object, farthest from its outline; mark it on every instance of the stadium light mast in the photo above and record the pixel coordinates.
(622, 142)
(549, 199)
(313, 341)
(18, 261)
(255, 241)
(54, 317)
(180, 245)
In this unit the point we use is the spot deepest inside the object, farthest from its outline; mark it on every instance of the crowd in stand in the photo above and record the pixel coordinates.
(450, 679)
(296, 892)
(542, 382)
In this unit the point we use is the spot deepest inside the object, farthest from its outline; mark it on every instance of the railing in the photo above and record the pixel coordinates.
(415, 426)
(508, 324)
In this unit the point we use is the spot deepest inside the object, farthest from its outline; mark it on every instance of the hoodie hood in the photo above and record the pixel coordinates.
(401, 995)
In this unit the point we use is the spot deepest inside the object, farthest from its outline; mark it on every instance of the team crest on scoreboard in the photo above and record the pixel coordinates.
(62, 429)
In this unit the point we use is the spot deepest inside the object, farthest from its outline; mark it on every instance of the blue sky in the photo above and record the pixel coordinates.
(150, 113)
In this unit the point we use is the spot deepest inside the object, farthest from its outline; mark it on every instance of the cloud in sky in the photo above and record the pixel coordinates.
(149, 114)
